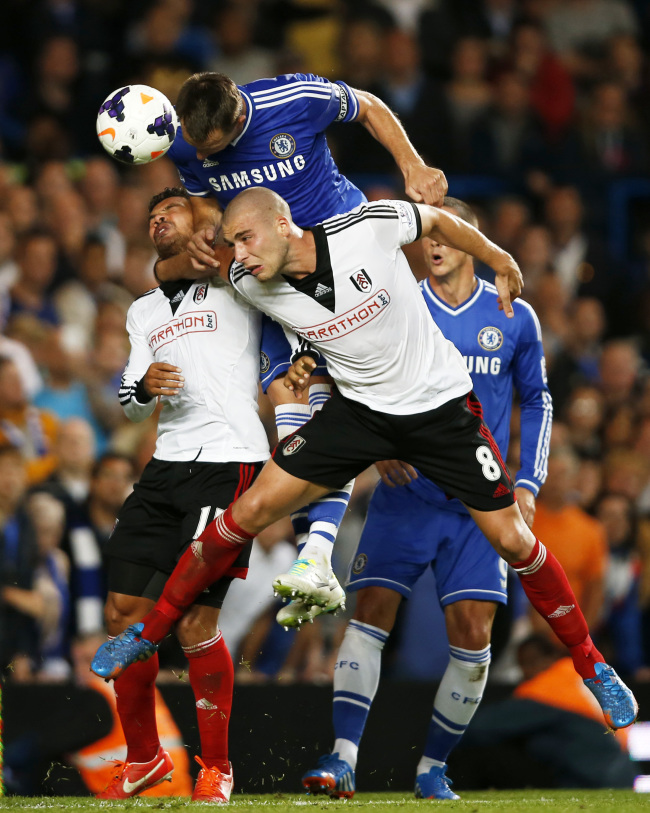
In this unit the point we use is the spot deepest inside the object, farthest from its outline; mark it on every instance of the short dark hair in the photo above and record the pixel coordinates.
(463, 211)
(206, 102)
(168, 192)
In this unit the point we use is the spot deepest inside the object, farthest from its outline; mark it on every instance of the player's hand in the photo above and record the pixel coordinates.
(526, 503)
(425, 184)
(509, 282)
(163, 379)
(297, 376)
(396, 472)
(201, 249)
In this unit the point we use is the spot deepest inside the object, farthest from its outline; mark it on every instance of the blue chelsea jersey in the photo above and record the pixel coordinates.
(282, 147)
(501, 355)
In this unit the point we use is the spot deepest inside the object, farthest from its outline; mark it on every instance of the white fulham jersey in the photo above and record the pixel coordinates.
(362, 309)
(214, 337)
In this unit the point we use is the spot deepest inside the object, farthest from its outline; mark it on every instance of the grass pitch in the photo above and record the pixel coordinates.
(549, 801)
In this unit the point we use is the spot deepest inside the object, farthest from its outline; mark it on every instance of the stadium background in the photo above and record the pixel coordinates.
(537, 110)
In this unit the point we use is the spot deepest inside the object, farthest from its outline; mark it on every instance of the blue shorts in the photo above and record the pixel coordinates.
(403, 535)
(275, 353)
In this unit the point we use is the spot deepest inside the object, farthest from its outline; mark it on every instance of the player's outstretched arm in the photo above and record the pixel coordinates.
(449, 230)
(422, 183)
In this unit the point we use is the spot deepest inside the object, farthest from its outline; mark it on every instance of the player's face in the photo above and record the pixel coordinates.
(171, 224)
(442, 260)
(217, 140)
(259, 245)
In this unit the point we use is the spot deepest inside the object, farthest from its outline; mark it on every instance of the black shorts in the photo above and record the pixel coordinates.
(450, 445)
(169, 507)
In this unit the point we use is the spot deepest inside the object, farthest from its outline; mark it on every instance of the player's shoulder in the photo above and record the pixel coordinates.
(286, 89)
(142, 305)
(524, 311)
(369, 210)
(145, 301)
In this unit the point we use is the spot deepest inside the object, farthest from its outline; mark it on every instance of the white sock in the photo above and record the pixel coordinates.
(456, 701)
(325, 517)
(318, 395)
(290, 417)
(356, 677)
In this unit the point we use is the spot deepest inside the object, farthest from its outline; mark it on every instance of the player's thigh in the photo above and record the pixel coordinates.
(206, 490)
(453, 447)
(341, 440)
(469, 623)
(466, 566)
(148, 526)
(398, 541)
(275, 494)
(507, 532)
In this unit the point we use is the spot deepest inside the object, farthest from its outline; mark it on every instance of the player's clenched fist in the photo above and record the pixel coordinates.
(163, 379)
(298, 375)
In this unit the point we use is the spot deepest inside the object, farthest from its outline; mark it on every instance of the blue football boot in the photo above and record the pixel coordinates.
(112, 658)
(434, 784)
(615, 699)
(333, 777)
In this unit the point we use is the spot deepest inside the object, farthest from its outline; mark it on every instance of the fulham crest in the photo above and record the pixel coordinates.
(294, 445)
(361, 281)
(200, 293)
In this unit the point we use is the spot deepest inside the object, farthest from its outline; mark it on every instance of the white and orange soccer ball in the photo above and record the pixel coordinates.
(136, 124)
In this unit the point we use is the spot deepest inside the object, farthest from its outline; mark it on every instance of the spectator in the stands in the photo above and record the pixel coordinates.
(30, 430)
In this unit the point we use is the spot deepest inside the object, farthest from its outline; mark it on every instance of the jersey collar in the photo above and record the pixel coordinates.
(440, 303)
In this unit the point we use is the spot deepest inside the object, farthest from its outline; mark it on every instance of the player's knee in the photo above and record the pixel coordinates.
(471, 629)
(515, 542)
(196, 626)
(120, 611)
(255, 511)
(377, 606)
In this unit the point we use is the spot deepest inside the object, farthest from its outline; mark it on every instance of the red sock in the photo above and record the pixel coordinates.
(206, 560)
(548, 589)
(136, 707)
(212, 678)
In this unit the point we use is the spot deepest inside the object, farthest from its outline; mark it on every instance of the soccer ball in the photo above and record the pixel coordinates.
(136, 124)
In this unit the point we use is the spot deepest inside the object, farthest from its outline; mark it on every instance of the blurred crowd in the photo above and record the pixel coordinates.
(537, 112)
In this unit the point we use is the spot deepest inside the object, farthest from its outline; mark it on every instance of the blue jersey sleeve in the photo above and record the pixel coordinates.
(327, 101)
(184, 159)
(529, 377)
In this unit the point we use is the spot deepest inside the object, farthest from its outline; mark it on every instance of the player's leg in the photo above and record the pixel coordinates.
(455, 449)
(146, 763)
(206, 560)
(470, 579)
(145, 536)
(310, 578)
(337, 444)
(211, 677)
(393, 551)
(469, 624)
(548, 590)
